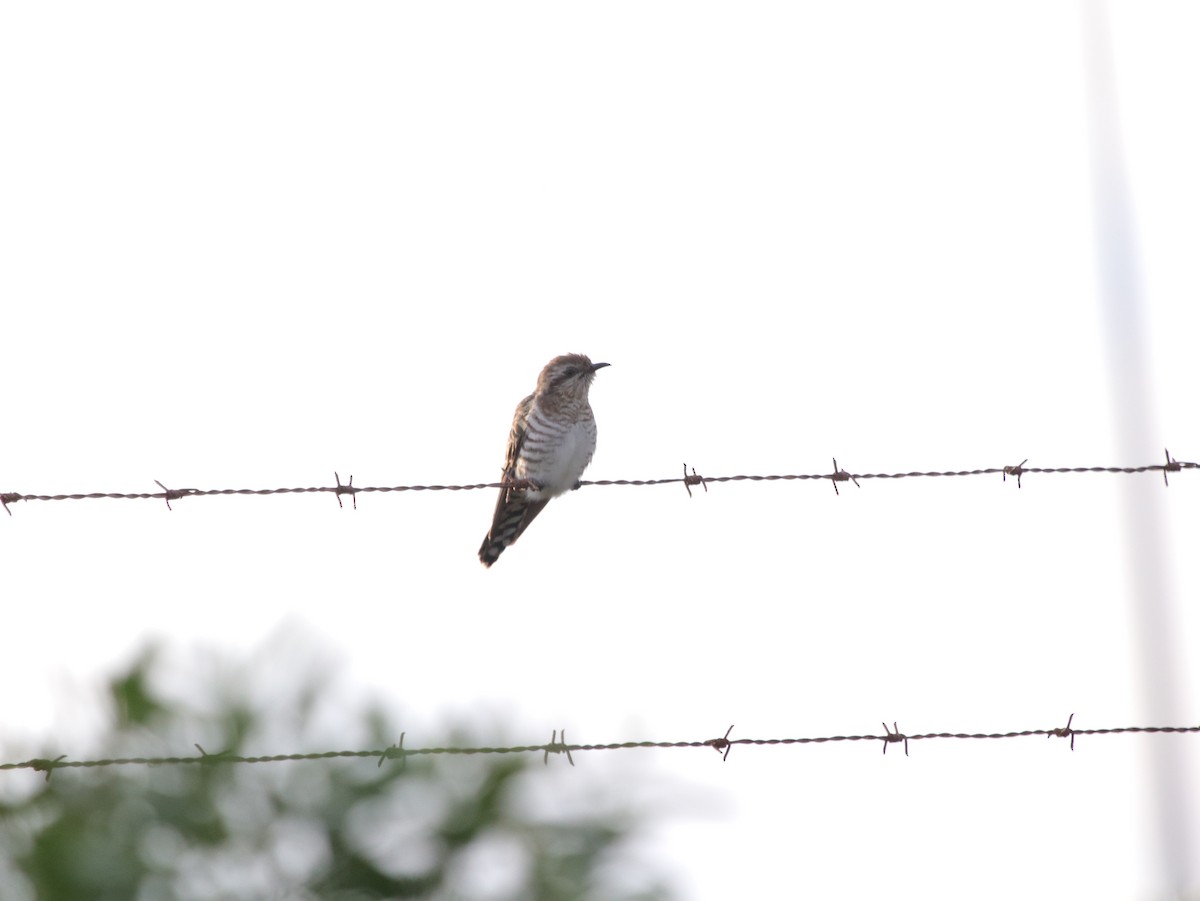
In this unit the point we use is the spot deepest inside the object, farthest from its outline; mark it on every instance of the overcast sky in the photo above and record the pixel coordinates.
(248, 244)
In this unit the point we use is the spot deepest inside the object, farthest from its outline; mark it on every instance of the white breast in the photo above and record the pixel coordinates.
(556, 458)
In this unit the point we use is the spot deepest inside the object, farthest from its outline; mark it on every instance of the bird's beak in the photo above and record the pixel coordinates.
(596, 366)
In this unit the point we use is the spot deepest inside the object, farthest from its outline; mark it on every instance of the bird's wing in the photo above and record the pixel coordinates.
(516, 439)
(503, 524)
(514, 511)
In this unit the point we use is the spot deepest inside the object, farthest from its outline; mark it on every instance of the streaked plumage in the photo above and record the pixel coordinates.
(551, 443)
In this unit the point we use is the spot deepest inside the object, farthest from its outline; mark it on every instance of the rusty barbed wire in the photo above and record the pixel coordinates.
(558, 744)
(687, 480)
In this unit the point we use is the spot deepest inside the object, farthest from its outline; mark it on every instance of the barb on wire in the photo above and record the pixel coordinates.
(394, 751)
(693, 479)
(721, 744)
(348, 488)
(41, 765)
(207, 758)
(891, 737)
(1064, 732)
(1017, 471)
(558, 744)
(170, 495)
(840, 475)
(557, 747)
(687, 479)
(1170, 466)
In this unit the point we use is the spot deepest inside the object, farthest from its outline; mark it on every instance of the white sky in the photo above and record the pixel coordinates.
(244, 245)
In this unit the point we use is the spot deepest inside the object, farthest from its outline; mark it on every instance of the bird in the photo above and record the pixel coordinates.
(551, 443)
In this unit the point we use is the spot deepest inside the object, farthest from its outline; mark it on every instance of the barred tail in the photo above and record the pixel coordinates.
(513, 516)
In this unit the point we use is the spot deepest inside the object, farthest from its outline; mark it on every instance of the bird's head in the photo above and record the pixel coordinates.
(570, 375)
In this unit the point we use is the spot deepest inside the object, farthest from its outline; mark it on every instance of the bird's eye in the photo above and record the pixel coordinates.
(569, 372)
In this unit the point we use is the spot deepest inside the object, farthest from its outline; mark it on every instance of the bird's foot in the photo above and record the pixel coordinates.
(522, 485)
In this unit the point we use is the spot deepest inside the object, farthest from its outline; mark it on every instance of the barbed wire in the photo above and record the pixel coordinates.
(687, 480)
(558, 744)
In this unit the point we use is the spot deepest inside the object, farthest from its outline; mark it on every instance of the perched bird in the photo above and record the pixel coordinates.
(552, 441)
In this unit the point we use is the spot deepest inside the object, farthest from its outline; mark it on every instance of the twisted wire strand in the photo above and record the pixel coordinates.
(557, 746)
(837, 475)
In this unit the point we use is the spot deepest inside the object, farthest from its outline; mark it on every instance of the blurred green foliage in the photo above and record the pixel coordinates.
(423, 827)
